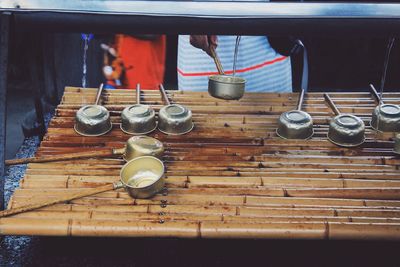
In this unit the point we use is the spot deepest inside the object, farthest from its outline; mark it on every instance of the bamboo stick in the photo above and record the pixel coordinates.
(80, 155)
(33, 206)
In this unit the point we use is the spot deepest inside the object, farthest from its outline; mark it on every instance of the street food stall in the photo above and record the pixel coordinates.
(231, 175)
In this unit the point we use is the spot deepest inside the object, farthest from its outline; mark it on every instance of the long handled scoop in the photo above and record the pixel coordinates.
(345, 129)
(131, 178)
(93, 120)
(295, 124)
(138, 119)
(135, 146)
(174, 119)
(385, 117)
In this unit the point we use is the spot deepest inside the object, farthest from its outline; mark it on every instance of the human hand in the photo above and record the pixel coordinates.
(204, 42)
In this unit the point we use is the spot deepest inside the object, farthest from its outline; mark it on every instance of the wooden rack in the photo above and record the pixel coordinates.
(231, 177)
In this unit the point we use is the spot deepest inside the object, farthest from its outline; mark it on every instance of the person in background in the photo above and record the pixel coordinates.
(135, 59)
(264, 69)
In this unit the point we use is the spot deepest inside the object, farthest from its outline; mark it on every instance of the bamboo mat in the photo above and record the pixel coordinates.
(231, 177)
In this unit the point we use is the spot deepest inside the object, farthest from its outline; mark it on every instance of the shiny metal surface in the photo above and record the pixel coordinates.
(143, 177)
(386, 118)
(211, 9)
(138, 119)
(92, 120)
(138, 146)
(226, 87)
(295, 124)
(346, 130)
(175, 119)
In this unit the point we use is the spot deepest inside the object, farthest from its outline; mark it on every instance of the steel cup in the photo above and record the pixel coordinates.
(92, 120)
(346, 130)
(138, 119)
(226, 87)
(175, 119)
(143, 177)
(295, 124)
(386, 118)
(138, 146)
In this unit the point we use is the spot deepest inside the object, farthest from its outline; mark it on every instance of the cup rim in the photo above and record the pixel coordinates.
(139, 158)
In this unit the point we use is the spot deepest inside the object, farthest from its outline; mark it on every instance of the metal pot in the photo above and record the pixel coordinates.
(345, 129)
(138, 119)
(174, 119)
(224, 86)
(142, 177)
(93, 120)
(138, 146)
(385, 117)
(295, 124)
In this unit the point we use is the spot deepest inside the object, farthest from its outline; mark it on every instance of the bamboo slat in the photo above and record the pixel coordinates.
(231, 177)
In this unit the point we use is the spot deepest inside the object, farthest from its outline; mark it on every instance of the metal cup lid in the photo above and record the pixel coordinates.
(176, 111)
(348, 121)
(296, 116)
(93, 111)
(390, 110)
(139, 110)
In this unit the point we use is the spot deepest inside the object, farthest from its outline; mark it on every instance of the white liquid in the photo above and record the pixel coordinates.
(142, 179)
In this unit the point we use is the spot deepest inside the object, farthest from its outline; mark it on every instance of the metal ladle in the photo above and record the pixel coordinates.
(224, 86)
(385, 117)
(136, 146)
(295, 124)
(174, 119)
(93, 120)
(142, 177)
(345, 129)
(138, 119)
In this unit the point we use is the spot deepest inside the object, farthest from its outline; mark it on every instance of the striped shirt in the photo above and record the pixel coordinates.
(263, 68)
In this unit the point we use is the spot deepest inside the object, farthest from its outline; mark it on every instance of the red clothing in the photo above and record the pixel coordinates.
(144, 61)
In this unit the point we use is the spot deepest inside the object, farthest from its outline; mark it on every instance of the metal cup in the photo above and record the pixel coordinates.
(175, 119)
(295, 124)
(92, 120)
(386, 118)
(346, 130)
(143, 177)
(138, 119)
(226, 87)
(138, 146)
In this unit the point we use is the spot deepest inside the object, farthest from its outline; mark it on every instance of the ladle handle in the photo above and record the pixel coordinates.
(300, 100)
(375, 94)
(216, 60)
(99, 91)
(69, 197)
(164, 94)
(331, 104)
(138, 93)
(79, 155)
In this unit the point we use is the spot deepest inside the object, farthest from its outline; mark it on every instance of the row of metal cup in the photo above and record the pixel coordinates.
(344, 130)
(138, 119)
